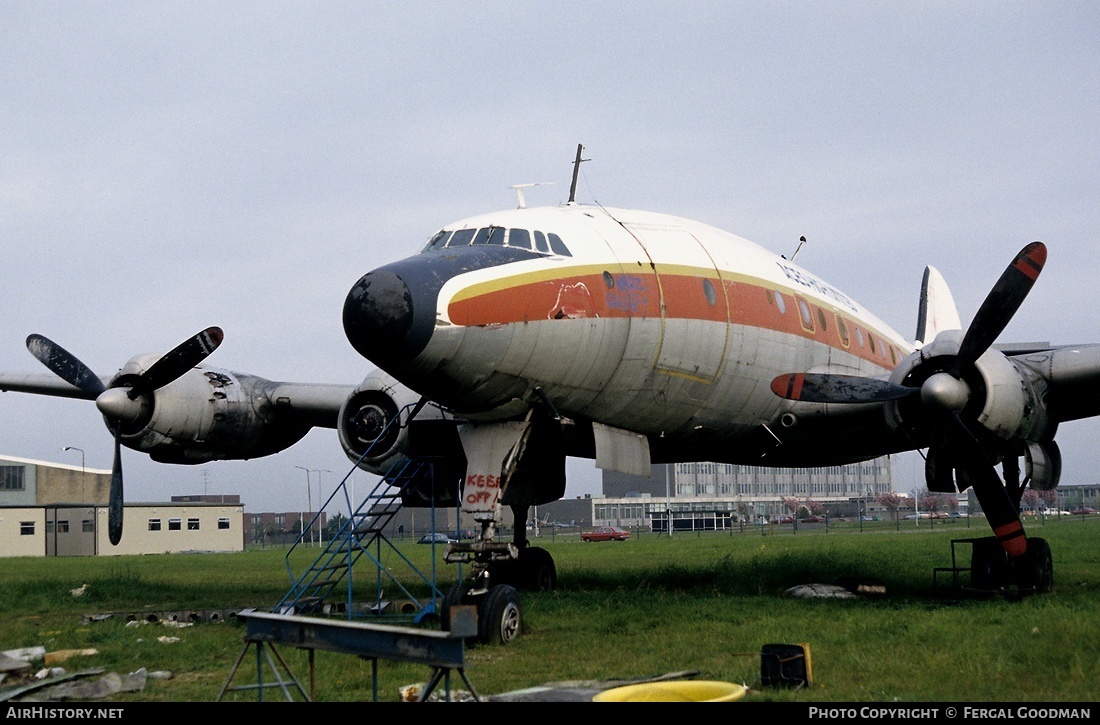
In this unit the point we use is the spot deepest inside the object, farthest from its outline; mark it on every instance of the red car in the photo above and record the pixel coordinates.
(605, 533)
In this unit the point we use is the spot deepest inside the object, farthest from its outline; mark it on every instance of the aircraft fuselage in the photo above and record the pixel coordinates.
(640, 321)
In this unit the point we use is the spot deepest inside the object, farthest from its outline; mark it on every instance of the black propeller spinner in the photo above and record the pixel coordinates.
(122, 403)
(946, 393)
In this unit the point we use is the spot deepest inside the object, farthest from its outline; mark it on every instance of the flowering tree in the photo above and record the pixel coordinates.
(891, 502)
(816, 508)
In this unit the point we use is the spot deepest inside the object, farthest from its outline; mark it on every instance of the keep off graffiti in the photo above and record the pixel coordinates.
(481, 488)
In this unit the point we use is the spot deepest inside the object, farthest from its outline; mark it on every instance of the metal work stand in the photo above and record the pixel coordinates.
(444, 652)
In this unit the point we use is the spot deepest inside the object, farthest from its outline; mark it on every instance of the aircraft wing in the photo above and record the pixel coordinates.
(1072, 373)
(316, 402)
(43, 384)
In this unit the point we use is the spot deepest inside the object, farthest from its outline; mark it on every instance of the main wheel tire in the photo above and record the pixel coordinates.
(1036, 567)
(500, 617)
(539, 572)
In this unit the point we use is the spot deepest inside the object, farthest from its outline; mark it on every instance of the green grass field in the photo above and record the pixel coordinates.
(705, 603)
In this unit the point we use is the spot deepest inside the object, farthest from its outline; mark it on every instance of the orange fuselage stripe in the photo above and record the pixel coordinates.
(528, 299)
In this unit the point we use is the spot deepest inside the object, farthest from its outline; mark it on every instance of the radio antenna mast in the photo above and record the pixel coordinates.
(519, 191)
(576, 171)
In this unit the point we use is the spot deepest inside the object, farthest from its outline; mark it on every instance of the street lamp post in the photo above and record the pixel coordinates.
(309, 504)
(83, 470)
(319, 535)
(320, 502)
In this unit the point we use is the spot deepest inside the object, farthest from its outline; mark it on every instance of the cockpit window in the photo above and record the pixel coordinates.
(558, 245)
(461, 238)
(438, 241)
(518, 238)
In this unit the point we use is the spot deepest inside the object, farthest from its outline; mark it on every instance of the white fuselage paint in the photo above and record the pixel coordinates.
(639, 365)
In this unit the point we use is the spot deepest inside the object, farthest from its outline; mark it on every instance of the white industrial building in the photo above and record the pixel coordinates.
(52, 509)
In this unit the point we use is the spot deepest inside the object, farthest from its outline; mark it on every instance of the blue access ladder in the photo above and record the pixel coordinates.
(313, 591)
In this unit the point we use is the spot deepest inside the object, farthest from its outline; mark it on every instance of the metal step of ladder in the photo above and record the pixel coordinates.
(314, 590)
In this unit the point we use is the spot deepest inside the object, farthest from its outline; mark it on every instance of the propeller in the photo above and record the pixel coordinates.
(125, 402)
(946, 393)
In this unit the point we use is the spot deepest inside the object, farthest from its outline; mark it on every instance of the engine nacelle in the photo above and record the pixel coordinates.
(1043, 465)
(373, 422)
(1004, 397)
(206, 414)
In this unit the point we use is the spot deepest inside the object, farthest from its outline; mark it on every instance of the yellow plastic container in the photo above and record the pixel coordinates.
(674, 691)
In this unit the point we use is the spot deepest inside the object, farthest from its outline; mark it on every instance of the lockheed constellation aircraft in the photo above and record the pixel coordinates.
(515, 339)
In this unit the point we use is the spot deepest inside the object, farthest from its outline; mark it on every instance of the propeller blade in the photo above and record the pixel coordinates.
(999, 510)
(64, 364)
(114, 504)
(178, 361)
(1001, 303)
(826, 388)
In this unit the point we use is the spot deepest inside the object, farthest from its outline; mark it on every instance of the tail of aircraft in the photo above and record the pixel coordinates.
(937, 308)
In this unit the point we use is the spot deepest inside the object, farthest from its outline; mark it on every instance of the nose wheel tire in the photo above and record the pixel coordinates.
(499, 615)
(499, 612)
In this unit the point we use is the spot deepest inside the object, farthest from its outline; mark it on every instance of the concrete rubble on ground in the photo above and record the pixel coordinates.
(53, 683)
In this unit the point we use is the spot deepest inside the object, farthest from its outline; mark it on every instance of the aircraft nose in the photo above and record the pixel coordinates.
(380, 319)
(390, 313)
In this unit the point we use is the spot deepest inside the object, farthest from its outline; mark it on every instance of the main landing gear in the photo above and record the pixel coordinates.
(991, 569)
(499, 572)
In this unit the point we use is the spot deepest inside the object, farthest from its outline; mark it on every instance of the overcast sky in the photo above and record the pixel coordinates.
(173, 165)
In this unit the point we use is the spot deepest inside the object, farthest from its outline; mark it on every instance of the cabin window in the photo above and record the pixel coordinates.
(776, 298)
(842, 330)
(709, 293)
(154, 524)
(821, 319)
(608, 280)
(223, 523)
(63, 527)
(859, 337)
(26, 528)
(192, 524)
(87, 526)
(541, 245)
(805, 315)
(175, 524)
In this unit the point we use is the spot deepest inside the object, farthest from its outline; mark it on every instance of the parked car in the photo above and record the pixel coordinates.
(785, 520)
(436, 539)
(605, 533)
(1084, 510)
(813, 520)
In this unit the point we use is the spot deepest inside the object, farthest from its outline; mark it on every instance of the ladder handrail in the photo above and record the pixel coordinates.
(345, 544)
